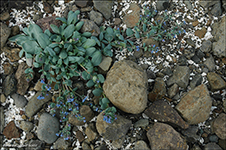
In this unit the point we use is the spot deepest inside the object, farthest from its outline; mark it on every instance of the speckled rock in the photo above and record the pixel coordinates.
(12, 54)
(4, 16)
(34, 104)
(158, 91)
(201, 33)
(162, 5)
(195, 106)
(206, 46)
(216, 82)
(141, 145)
(131, 19)
(115, 130)
(26, 125)
(219, 126)
(162, 111)
(173, 90)
(48, 126)
(163, 136)
(20, 75)
(8, 68)
(196, 81)
(104, 7)
(180, 76)
(212, 146)
(96, 17)
(82, 3)
(2, 119)
(45, 23)
(210, 63)
(19, 100)
(106, 63)
(61, 144)
(126, 86)
(141, 123)
(90, 26)
(4, 34)
(91, 132)
(9, 85)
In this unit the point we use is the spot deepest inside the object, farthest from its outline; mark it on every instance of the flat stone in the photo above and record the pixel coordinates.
(206, 46)
(180, 76)
(48, 126)
(4, 34)
(215, 81)
(196, 80)
(105, 7)
(9, 85)
(81, 3)
(11, 131)
(115, 130)
(91, 132)
(158, 91)
(126, 86)
(61, 144)
(90, 26)
(163, 136)
(131, 19)
(4, 16)
(212, 146)
(45, 23)
(210, 63)
(106, 63)
(96, 17)
(26, 125)
(34, 104)
(141, 123)
(19, 100)
(173, 90)
(162, 111)
(141, 145)
(195, 106)
(2, 119)
(219, 126)
(201, 33)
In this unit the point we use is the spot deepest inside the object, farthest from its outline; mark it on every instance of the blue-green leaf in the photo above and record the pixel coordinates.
(137, 35)
(87, 34)
(68, 31)
(43, 40)
(97, 92)
(34, 30)
(101, 36)
(90, 83)
(85, 75)
(62, 19)
(89, 43)
(50, 50)
(101, 78)
(129, 32)
(96, 39)
(55, 28)
(63, 54)
(79, 25)
(36, 65)
(21, 53)
(90, 51)
(70, 17)
(109, 30)
(96, 58)
(74, 59)
(29, 46)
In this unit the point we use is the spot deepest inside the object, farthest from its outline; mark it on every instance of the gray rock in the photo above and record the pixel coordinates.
(224, 105)
(141, 123)
(224, 4)
(189, 53)
(118, 143)
(105, 7)
(126, 86)
(191, 132)
(173, 90)
(188, 4)
(115, 130)
(61, 144)
(81, 3)
(163, 136)
(162, 5)
(4, 34)
(86, 146)
(19, 100)
(196, 80)
(9, 85)
(96, 17)
(182, 61)
(2, 119)
(168, 114)
(15, 30)
(213, 138)
(206, 4)
(3, 98)
(210, 63)
(34, 104)
(219, 34)
(91, 132)
(4, 16)
(206, 46)
(215, 81)
(106, 63)
(212, 146)
(190, 42)
(39, 145)
(26, 125)
(90, 26)
(200, 54)
(141, 145)
(219, 126)
(48, 126)
(195, 106)
(180, 76)
(216, 10)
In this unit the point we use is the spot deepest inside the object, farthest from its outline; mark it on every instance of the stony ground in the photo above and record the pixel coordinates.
(174, 99)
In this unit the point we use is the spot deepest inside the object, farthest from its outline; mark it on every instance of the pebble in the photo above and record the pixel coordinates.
(4, 16)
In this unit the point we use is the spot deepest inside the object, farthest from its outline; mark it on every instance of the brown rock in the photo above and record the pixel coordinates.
(126, 86)
(45, 23)
(4, 16)
(159, 90)
(117, 21)
(195, 23)
(163, 136)
(48, 8)
(15, 30)
(80, 136)
(216, 82)
(11, 131)
(4, 34)
(12, 54)
(86, 112)
(132, 18)
(163, 112)
(8, 68)
(201, 33)
(195, 106)
(219, 126)
(22, 84)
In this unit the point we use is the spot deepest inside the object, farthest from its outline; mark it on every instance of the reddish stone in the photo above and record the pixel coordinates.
(44, 23)
(11, 131)
(201, 33)
(80, 136)
(80, 3)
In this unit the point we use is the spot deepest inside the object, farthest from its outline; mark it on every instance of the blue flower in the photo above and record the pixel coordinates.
(140, 15)
(179, 32)
(156, 11)
(138, 48)
(40, 97)
(84, 99)
(57, 134)
(61, 135)
(96, 109)
(42, 81)
(147, 15)
(153, 45)
(164, 23)
(152, 51)
(58, 105)
(165, 10)
(118, 28)
(53, 115)
(184, 22)
(70, 109)
(66, 138)
(184, 31)
(174, 36)
(48, 88)
(163, 40)
(70, 100)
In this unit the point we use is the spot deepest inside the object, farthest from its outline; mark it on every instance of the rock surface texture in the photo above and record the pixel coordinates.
(126, 86)
(195, 105)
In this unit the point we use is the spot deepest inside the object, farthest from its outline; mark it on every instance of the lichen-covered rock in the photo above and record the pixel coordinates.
(105, 7)
(163, 136)
(219, 126)
(195, 106)
(126, 86)
(216, 82)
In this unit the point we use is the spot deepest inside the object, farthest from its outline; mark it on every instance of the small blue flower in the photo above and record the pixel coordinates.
(165, 10)
(58, 105)
(118, 28)
(84, 121)
(153, 45)
(184, 31)
(70, 109)
(53, 115)
(140, 15)
(57, 134)
(48, 88)
(40, 97)
(84, 99)
(96, 109)
(184, 22)
(98, 81)
(179, 32)
(152, 51)
(147, 15)
(174, 36)
(42, 81)
(66, 138)
(156, 11)
(61, 135)
(163, 40)
(138, 48)
(164, 23)
(115, 118)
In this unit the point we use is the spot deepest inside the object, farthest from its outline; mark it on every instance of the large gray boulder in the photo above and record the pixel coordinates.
(126, 86)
